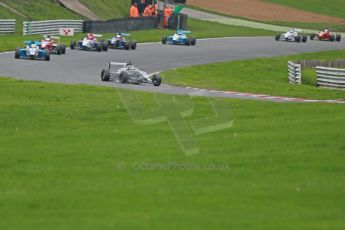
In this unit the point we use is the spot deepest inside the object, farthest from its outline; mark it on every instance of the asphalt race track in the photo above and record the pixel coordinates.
(85, 66)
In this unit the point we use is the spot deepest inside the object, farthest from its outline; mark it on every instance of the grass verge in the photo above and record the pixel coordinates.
(263, 75)
(69, 159)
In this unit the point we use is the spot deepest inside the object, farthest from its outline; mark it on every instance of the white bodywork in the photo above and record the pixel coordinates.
(32, 50)
(291, 34)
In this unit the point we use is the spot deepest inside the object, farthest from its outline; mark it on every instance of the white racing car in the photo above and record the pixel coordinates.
(292, 36)
(127, 73)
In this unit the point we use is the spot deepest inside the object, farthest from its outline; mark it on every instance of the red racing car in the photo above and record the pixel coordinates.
(52, 44)
(326, 35)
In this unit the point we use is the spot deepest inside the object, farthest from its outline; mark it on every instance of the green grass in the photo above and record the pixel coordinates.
(60, 146)
(263, 75)
(109, 9)
(199, 28)
(312, 26)
(332, 8)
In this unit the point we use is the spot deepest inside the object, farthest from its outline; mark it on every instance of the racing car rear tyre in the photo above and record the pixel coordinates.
(127, 45)
(105, 75)
(277, 37)
(156, 80)
(17, 54)
(63, 50)
(105, 47)
(99, 47)
(164, 40)
(298, 38)
(123, 78)
(338, 38)
(193, 42)
(133, 45)
(304, 38)
(58, 50)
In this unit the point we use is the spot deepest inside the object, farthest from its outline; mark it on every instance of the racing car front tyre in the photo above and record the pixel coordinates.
(73, 45)
(156, 80)
(123, 78)
(338, 38)
(17, 54)
(188, 42)
(312, 36)
(193, 42)
(105, 75)
(133, 45)
(164, 40)
(332, 38)
(47, 57)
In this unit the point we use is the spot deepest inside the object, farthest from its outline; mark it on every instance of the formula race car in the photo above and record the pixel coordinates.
(52, 44)
(127, 73)
(181, 37)
(292, 36)
(32, 50)
(326, 35)
(90, 43)
(122, 41)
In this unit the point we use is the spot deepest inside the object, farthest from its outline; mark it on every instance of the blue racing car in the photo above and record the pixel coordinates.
(122, 41)
(181, 37)
(32, 50)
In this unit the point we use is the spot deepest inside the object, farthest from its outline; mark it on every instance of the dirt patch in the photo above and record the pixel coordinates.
(79, 8)
(263, 11)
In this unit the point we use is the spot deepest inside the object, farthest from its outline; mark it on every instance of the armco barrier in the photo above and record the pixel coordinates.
(7, 26)
(51, 26)
(118, 25)
(330, 77)
(295, 73)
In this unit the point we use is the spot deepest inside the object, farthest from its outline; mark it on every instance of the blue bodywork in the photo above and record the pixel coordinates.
(123, 43)
(32, 50)
(181, 37)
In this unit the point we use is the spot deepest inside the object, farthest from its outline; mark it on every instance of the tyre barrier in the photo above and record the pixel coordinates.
(294, 73)
(330, 77)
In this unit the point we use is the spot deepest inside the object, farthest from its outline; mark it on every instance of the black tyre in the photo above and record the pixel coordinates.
(47, 57)
(156, 80)
(133, 45)
(73, 45)
(188, 42)
(58, 50)
(298, 38)
(63, 50)
(164, 40)
(99, 47)
(123, 78)
(17, 54)
(277, 37)
(193, 42)
(338, 37)
(105, 75)
(105, 47)
(304, 39)
(312, 36)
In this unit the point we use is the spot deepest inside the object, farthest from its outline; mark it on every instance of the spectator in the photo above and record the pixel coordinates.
(168, 12)
(134, 12)
(148, 11)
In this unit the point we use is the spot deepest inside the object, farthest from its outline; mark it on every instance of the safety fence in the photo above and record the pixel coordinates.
(7, 26)
(295, 73)
(309, 64)
(330, 77)
(51, 26)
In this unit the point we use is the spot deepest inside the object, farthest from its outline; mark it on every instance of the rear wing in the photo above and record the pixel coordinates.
(98, 35)
(297, 30)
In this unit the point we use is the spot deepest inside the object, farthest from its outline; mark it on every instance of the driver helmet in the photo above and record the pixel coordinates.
(129, 63)
(90, 36)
